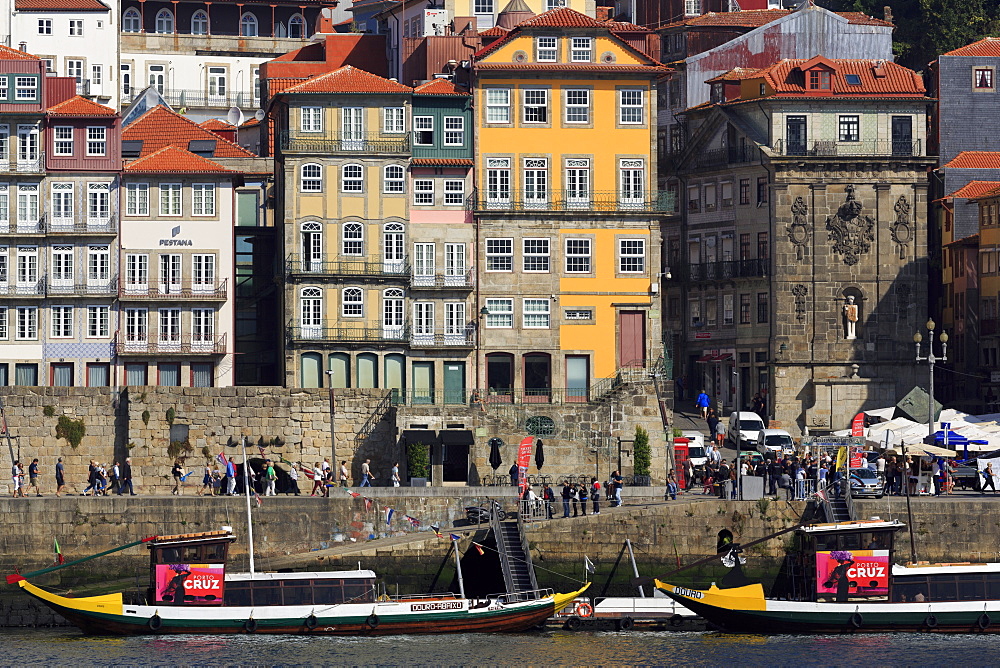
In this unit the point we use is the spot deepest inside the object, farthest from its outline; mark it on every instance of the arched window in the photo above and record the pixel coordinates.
(311, 312)
(164, 22)
(353, 239)
(340, 365)
(310, 366)
(297, 27)
(352, 180)
(367, 370)
(392, 312)
(199, 23)
(352, 303)
(311, 180)
(248, 25)
(393, 248)
(392, 179)
(312, 246)
(131, 21)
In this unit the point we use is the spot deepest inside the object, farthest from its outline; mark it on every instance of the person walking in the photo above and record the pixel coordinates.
(60, 476)
(567, 494)
(126, 478)
(206, 481)
(988, 479)
(271, 476)
(343, 473)
(618, 482)
(91, 479)
(514, 474)
(116, 479)
(366, 473)
(33, 476)
(671, 486)
(595, 495)
(548, 498)
(317, 477)
(702, 403)
(713, 421)
(230, 477)
(177, 471)
(394, 477)
(293, 481)
(17, 478)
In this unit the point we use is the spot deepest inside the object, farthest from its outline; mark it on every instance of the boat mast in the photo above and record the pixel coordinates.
(635, 569)
(246, 485)
(458, 565)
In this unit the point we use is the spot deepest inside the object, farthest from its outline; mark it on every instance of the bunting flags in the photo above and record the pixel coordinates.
(307, 472)
(588, 565)
(455, 537)
(256, 497)
(261, 448)
(479, 549)
(185, 476)
(352, 493)
(414, 522)
(437, 531)
(221, 458)
(59, 557)
(388, 515)
(284, 461)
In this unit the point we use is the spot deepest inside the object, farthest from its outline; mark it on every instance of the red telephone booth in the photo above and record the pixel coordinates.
(680, 461)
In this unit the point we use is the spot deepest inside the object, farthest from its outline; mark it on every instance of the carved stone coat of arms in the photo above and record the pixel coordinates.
(851, 232)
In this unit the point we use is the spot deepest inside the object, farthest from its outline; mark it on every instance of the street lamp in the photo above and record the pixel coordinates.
(931, 361)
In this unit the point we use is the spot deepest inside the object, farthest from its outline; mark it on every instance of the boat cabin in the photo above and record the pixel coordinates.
(919, 583)
(188, 569)
(844, 561)
(327, 588)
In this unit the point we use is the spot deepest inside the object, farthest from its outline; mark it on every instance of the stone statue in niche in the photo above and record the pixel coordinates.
(850, 319)
(900, 229)
(852, 233)
(800, 291)
(798, 230)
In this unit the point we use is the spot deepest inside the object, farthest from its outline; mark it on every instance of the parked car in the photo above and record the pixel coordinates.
(865, 482)
(744, 427)
(967, 476)
(775, 442)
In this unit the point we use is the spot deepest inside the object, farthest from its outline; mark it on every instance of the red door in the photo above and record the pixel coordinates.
(632, 338)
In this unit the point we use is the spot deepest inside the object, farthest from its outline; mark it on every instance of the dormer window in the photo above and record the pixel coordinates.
(763, 90)
(717, 92)
(819, 80)
(547, 51)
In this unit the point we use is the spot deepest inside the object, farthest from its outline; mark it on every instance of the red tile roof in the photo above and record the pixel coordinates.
(214, 124)
(990, 46)
(755, 18)
(161, 127)
(7, 53)
(561, 17)
(973, 189)
(788, 80)
(495, 31)
(441, 162)
(281, 84)
(975, 160)
(348, 79)
(81, 106)
(174, 160)
(60, 5)
(440, 87)
(625, 26)
(736, 74)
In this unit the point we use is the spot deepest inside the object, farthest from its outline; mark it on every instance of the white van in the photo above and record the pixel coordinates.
(775, 442)
(696, 448)
(745, 427)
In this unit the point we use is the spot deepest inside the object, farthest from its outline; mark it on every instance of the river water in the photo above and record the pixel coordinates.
(66, 647)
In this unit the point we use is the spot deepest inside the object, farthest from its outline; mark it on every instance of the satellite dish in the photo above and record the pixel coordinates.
(235, 116)
(259, 115)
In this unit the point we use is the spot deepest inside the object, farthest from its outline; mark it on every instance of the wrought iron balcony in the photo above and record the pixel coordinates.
(374, 267)
(830, 148)
(34, 288)
(464, 338)
(32, 226)
(338, 142)
(183, 291)
(107, 288)
(723, 271)
(13, 163)
(733, 155)
(612, 201)
(84, 225)
(187, 344)
(441, 281)
(361, 332)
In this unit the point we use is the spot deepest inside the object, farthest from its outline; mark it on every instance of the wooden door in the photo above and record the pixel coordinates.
(632, 338)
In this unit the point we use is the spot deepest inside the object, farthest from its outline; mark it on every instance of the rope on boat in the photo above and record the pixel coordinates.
(11, 579)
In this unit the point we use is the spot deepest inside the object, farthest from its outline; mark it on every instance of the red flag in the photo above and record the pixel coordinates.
(479, 548)
(858, 425)
(523, 459)
(368, 504)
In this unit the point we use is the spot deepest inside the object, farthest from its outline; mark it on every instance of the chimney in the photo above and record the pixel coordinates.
(887, 12)
(23, 46)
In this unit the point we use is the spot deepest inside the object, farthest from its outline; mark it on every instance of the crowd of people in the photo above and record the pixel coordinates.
(102, 479)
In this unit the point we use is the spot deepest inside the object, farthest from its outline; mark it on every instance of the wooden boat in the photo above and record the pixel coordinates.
(190, 592)
(842, 579)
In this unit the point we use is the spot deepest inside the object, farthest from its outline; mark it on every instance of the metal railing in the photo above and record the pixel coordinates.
(296, 264)
(360, 333)
(829, 147)
(15, 163)
(444, 339)
(339, 142)
(33, 226)
(726, 270)
(34, 288)
(734, 155)
(185, 290)
(620, 201)
(185, 97)
(522, 596)
(87, 288)
(83, 225)
(187, 344)
(374, 419)
(442, 281)
(532, 511)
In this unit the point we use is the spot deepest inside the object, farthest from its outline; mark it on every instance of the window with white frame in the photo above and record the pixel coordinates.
(170, 199)
(27, 265)
(692, 7)
(536, 105)
(423, 192)
(483, 7)
(74, 68)
(63, 140)
(582, 50)
(97, 75)
(76, 27)
(311, 178)
(27, 323)
(578, 256)
(136, 272)
(312, 119)
(137, 199)
(98, 202)
(578, 105)
(62, 203)
(501, 313)
(497, 181)
(353, 239)
(25, 88)
(423, 319)
(98, 322)
(203, 272)
(131, 21)
(393, 179)
(579, 314)
(498, 105)
(202, 325)
(203, 199)
(630, 111)
(61, 269)
(4, 205)
(727, 309)
(27, 203)
(535, 255)
(44, 26)
(4, 332)
(423, 130)
(4, 92)
(352, 179)
(164, 22)
(392, 120)
(849, 128)
(454, 191)
(499, 255)
(577, 181)
(98, 265)
(631, 255)
(454, 322)
(454, 263)
(536, 177)
(352, 303)
(536, 313)
(311, 312)
(631, 181)
(97, 141)
(546, 49)
(248, 25)
(454, 131)
(61, 319)
(170, 325)
(136, 325)
(199, 23)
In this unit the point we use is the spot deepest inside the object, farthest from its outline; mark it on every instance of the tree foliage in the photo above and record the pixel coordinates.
(641, 453)
(418, 461)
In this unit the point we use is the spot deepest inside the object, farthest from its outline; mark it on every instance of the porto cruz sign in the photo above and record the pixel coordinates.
(191, 584)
